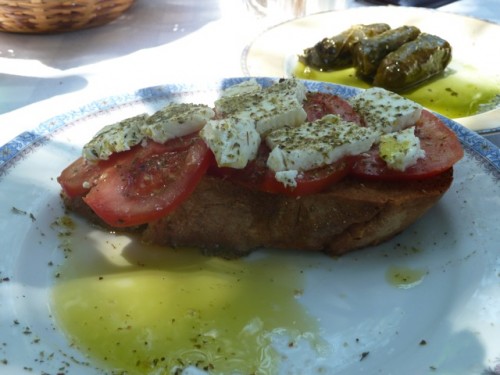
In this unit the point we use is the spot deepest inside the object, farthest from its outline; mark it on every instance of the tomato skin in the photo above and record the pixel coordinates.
(309, 182)
(140, 185)
(73, 177)
(318, 104)
(442, 150)
(77, 179)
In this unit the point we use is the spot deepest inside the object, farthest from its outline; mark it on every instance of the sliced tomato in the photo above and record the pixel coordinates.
(309, 182)
(252, 176)
(318, 104)
(257, 176)
(79, 176)
(143, 184)
(442, 150)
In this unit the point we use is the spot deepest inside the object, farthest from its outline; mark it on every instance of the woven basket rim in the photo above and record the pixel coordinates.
(54, 16)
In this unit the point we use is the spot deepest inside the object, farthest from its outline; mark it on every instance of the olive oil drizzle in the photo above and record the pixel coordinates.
(404, 277)
(134, 308)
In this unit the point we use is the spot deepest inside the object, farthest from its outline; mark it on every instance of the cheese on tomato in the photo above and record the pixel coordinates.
(316, 144)
(233, 141)
(176, 120)
(244, 87)
(400, 150)
(386, 111)
(247, 115)
(269, 108)
(248, 112)
(117, 137)
(173, 121)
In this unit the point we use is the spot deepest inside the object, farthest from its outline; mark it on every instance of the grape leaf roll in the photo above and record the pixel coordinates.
(369, 53)
(413, 63)
(335, 52)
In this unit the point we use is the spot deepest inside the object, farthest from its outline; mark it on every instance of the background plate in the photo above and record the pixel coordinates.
(445, 324)
(273, 53)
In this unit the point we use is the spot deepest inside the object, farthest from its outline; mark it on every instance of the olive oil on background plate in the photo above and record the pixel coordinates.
(457, 93)
(136, 309)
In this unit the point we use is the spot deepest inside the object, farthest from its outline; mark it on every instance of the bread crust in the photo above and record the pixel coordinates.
(227, 220)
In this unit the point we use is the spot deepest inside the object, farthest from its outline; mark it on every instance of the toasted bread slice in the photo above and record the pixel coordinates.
(228, 220)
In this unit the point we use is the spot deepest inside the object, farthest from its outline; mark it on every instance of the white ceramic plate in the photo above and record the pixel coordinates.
(274, 52)
(448, 323)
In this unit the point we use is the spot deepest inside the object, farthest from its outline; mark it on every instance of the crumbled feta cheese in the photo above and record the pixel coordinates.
(176, 120)
(233, 141)
(401, 150)
(318, 143)
(287, 178)
(117, 137)
(386, 111)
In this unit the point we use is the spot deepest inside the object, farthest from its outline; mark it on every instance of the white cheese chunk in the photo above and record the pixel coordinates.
(176, 120)
(274, 113)
(401, 150)
(290, 87)
(117, 137)
(233, 141)
(318, 143)
(386, 111)
(270, 108)
(245, 87)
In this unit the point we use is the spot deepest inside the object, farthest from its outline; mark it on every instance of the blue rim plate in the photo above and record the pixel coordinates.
(454, 310)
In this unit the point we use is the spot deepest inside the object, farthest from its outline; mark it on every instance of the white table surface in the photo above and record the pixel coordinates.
(155, 42)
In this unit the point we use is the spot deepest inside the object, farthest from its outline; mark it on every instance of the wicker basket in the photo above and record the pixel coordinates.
(54, 16)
